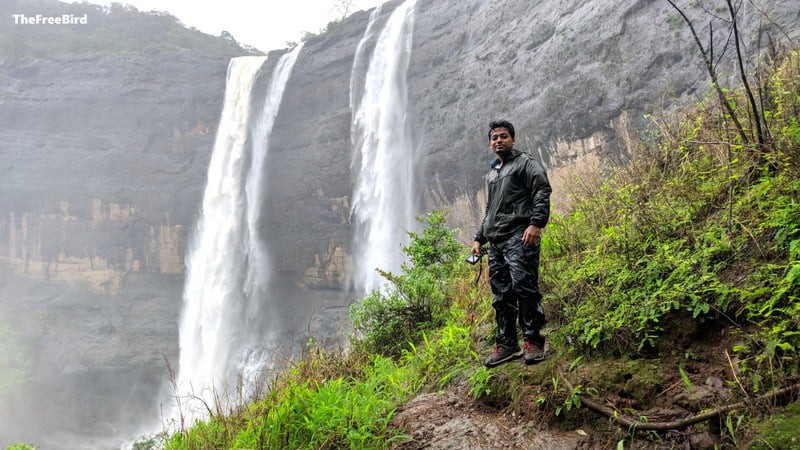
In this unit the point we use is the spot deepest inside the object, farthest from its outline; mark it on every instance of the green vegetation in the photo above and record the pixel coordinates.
(699, 225)
(779, 431)
(118, 29)
(688, 257)
(416, 301)
(14, 361)
(21, 447)
(338, 401)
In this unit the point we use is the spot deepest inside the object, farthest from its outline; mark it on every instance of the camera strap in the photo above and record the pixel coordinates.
(480, 272)
(484, 250)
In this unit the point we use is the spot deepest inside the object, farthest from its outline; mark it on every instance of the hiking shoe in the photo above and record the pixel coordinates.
(503, 354)
(533, 353)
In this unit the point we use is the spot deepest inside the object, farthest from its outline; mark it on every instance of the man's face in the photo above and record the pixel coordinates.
(500, 141)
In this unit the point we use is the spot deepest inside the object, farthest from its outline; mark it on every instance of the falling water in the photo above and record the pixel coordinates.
(358, 72)
(258, 270)
(383, 160)
(223, 341)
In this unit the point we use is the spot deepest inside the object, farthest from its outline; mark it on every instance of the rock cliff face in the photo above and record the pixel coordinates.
(105, 158)
(103, 168)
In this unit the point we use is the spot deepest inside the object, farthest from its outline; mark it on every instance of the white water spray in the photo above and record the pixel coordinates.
(383, 161)
(224, 345)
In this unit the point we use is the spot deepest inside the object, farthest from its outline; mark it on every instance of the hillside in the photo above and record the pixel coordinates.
(116, 29)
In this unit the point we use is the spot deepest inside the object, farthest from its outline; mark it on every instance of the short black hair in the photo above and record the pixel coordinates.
(501, 124)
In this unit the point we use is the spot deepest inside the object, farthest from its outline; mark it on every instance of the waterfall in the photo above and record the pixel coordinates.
(224, 340)
(383, 203)
(357, 73)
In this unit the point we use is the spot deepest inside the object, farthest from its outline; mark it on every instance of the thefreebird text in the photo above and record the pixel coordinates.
(38, 19)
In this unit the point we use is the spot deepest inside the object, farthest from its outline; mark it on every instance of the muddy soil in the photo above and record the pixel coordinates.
(452, 419)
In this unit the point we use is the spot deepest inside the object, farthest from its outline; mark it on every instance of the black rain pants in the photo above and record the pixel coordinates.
(514, 278)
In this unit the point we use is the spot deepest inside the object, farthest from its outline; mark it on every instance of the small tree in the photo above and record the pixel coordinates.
(342, 8)
(417, 299)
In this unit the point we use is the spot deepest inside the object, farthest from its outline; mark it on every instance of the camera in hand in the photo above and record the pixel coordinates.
(473, 259)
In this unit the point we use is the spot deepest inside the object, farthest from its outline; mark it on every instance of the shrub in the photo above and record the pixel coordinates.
(417, 299)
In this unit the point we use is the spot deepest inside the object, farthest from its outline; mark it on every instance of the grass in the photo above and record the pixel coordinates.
(337, 400)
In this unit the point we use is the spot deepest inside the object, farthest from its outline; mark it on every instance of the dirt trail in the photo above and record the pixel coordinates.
(452, 419)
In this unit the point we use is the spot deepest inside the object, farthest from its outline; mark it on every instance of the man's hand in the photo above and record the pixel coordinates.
(531, 236)
(476, 248)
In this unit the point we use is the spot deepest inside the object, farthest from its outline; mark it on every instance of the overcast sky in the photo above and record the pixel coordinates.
(264, 24)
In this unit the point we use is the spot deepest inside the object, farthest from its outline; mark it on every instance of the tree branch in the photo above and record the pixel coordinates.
(712, 73)
(675, 424)
(755, 112)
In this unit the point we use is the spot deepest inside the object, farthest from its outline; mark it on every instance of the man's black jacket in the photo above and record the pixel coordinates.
(519, 196)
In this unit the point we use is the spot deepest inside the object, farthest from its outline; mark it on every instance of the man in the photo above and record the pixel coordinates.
(517, 208)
